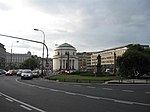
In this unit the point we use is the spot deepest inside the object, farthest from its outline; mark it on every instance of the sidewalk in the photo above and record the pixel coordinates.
(129, 81)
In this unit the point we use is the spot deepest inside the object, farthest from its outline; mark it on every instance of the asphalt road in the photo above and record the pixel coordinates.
(40, 95)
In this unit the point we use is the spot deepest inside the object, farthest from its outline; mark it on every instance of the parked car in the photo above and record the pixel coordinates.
(36, 73)
(26, 74)
(19, 72)
(10, 73)
(2, 71)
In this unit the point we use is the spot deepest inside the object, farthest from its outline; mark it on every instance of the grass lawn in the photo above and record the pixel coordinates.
(78, 78)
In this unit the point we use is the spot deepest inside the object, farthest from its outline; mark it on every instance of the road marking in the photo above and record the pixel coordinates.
(54, 90)
(41, 87)
(9, 99)
(70, 93)
(32, 85)
(125, 102)
(143, 104)
(91, 87)
(130, 91)
(18, 101)
(147, 92)
(108, 89)
(93, 97)
(25, 107)
(24, 83)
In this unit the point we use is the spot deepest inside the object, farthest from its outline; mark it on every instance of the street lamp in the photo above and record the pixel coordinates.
(11, 52)
(43, 46)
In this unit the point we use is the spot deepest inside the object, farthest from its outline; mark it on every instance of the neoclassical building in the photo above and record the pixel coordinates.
(16, 59)
(65, 58)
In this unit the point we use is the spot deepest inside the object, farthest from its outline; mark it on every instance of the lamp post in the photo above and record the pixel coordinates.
(11, 53)
(43, 47)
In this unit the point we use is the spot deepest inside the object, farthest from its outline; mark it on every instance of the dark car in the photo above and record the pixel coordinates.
(19, 72)
(10, 73)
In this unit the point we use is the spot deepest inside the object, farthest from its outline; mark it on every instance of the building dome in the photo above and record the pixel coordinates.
(65, 57)
(65, 45)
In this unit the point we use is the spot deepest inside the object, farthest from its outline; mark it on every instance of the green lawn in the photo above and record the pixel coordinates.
(78, 78)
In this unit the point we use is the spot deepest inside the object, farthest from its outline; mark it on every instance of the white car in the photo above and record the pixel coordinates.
(26, 74)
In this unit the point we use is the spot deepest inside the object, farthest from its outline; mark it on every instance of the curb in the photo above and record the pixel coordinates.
(128, 81)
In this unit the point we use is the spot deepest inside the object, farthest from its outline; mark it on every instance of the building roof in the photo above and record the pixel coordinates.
(113, 48)
(145, 46)
(65, 45)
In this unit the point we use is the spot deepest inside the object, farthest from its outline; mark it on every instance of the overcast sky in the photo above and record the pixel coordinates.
(88, 25)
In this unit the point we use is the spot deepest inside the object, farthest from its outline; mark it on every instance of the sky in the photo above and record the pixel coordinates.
(88, 25)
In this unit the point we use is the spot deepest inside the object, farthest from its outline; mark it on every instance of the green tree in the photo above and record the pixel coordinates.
(134, 62)
(30, 63)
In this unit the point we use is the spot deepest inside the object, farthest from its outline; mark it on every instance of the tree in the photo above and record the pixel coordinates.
(30, 63)
(134, 62)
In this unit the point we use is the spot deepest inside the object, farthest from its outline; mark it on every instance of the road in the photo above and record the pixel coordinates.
(39, 95)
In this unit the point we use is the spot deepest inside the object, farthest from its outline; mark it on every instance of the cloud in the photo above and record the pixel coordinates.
(4, 7)
(89, 25)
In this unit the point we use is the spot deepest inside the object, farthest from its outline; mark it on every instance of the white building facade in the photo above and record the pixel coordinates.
(65, 58)
(16, 59)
